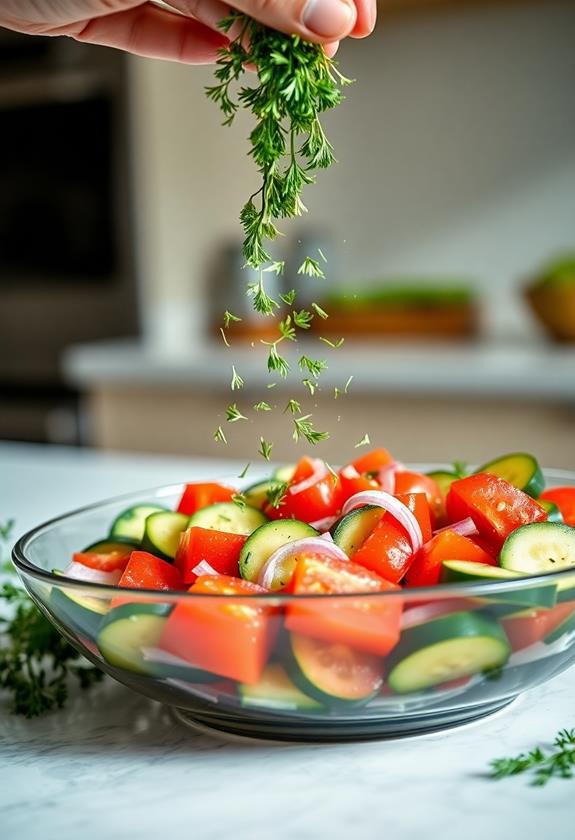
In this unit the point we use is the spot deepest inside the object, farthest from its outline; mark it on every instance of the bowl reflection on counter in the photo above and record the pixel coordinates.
(526, 646)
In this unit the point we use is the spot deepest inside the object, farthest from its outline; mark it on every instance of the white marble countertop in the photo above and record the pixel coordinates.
(520, 369)
(112, 764)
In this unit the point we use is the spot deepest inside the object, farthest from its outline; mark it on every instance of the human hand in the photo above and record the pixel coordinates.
(192, 36)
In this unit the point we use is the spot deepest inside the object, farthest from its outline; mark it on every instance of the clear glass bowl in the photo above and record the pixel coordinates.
(466, 681)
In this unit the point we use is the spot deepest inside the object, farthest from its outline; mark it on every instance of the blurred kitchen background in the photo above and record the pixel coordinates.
(454, 193)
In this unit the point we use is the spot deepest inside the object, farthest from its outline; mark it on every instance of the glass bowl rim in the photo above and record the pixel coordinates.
(438, 592)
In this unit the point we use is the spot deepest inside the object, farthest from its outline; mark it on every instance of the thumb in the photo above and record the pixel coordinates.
(315, 20)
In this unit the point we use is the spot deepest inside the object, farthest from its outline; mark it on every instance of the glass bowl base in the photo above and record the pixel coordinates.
(268, 727)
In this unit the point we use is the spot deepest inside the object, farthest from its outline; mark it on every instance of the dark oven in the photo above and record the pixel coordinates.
(66, 244)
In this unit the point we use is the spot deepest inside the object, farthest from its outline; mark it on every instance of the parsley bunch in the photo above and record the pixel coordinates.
(296, 83)
(35, 660)
(560, 763)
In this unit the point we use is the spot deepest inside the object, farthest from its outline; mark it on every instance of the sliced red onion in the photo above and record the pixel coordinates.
(204, 568)
(465, 528)
(324, 524)
(319, 471)
(350, 472)
(386, 477)
(393, 506)
(311, 544)
(77, 571)
(326, 536)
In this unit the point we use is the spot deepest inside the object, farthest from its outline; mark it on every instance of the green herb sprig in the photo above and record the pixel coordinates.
(541, 766)
(296, 83)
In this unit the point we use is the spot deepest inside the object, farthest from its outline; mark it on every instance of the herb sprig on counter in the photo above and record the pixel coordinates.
(35, 660)
(541, 766)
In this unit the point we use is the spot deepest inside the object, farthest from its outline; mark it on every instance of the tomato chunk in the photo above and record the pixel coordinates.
(418, 504)
(200, 495)
(387, 551)
(530, 627)
(352, 482)
(370, 623)
(110, 562)
(564, 498)
(144, 571)
(496, 507)
(320, 499)
(228, 636)
(218, 548)
(373, 461)
(407, 481)
(447, 545)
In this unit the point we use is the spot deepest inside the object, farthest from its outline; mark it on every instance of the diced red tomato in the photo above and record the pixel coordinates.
(496, 507)
(373, 461)
(200, 495)
(221, 550)
(407, 481)
(370, 623)
(352, 482)
(387, 551)
(447, 545)
(530, 627)
(418, 504)
(564, 498)
(110, 562)
(488, 548)
(228, 636)
(318, 501)
(145, 571)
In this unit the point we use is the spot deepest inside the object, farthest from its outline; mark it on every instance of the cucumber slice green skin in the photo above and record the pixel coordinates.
(130, 524)
(162, 533)
(259, 547)
(83, 613)
(352, 530)
(286, 473)
(444, 478)
(127, 629)
(107, 546)
(539, 548)
(229, 517)
(454, 646)
(519, 469)
(566, 626)
(275, 690)
(553, 512)
(256, 495)
(330, 673)
(463, 571)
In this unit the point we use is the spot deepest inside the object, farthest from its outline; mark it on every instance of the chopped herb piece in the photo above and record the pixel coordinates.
(304, 428)
(265, 449)
(233, 414)
(237, 381)
(226, 342)
(313, 366)
(287, 329)
(240, 500)
(262, 406)
(277, 493)
(319, 311)
(229, 317)
(335, 345)
(293, 407)
(311, 268)
(263, 303)
(219, 435)
(365, 441)
(289, 297)
(277, 362)
(303, 319)
(277, 267)
(244, 472)
(311, 386)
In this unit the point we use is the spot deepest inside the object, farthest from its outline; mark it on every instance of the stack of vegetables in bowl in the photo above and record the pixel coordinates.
(375, 593)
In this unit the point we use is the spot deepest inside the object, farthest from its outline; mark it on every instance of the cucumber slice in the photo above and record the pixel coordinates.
(227, 516)
(108, 546)
(566, 626)
(130, 523)
(444, 479)
(82, 612)
(449, 648)
(539, 548)
(164, 665)
(126, 630)
(286, 473)
(275, 690)
(519, 469)
(553, 512)
(334, 674)
(162, 533)
(267, 539)
(256, 495)
(352, 530)
(465, 571)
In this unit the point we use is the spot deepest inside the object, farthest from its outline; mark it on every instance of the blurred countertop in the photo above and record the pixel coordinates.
(515, 369)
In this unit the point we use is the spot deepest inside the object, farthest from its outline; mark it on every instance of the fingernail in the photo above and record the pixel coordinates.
(328, 18)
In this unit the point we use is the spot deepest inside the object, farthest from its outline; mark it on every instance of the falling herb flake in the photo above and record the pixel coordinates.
(277, 362)
(262, 302)
(303, 319)
(319, 311)
(229, 317)
(313, 366)
(322, 255)
(262, 406)
(287, 329)
(293, 407)
(303, 427)
(277, 267)
(265, 449)
(244, 472)
(365, 441)
(335, 345)
(347, 384)
(233, 414)
(237, 381)
(311, 268)
(271, 385)
(311, 386)
(219, 435)
(289, 297)
(226, 342)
